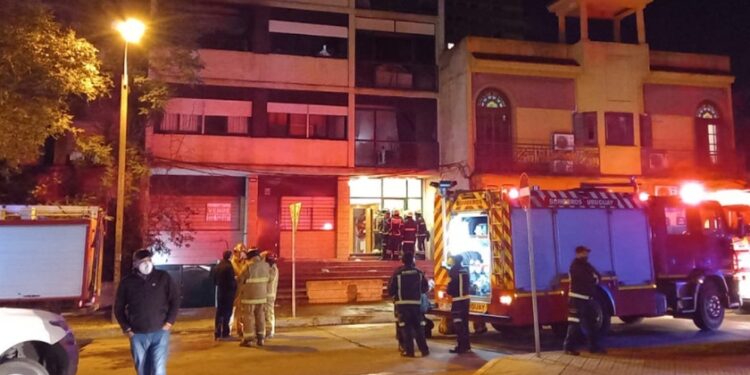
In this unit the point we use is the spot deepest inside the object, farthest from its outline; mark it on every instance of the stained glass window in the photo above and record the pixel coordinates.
(708, 111)
(492, 99)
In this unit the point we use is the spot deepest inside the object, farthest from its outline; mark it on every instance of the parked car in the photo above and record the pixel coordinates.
(36, 342)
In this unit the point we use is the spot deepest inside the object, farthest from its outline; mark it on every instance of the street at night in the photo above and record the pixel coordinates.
(371, 349)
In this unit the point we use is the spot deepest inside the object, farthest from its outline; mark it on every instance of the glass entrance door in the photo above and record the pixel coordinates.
(364, 228)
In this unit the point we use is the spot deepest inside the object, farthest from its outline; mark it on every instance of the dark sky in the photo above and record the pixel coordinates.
(703, 26)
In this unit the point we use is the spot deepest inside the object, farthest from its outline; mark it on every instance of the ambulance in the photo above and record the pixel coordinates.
(659, 256)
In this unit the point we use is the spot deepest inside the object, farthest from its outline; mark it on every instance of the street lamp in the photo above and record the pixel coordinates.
(131, 31)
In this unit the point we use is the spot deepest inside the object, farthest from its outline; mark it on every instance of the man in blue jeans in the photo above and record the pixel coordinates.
(146, 308)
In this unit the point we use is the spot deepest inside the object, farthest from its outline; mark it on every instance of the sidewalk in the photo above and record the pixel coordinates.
(718, 358)
(98, 325)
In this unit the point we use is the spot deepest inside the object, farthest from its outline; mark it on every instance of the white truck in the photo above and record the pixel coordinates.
(51, 256)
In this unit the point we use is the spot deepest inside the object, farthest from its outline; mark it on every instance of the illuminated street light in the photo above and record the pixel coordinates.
(131, 31)
(643, 196)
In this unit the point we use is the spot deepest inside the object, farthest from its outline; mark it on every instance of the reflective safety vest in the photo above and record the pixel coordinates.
(253, 283)
(407, 285)
(458, 286)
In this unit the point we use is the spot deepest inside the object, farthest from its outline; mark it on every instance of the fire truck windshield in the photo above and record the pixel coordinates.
(468, 236)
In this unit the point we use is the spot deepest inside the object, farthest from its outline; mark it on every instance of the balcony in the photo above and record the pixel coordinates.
(396, 76)
(426, 7)
(421, 155)
(690, 164)
(222, 65)
(536, 158)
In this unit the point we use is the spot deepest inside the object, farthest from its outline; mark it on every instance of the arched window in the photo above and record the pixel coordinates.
(707, 131)
(493, 117)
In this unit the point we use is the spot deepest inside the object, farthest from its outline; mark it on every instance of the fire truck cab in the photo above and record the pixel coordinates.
(664, 257)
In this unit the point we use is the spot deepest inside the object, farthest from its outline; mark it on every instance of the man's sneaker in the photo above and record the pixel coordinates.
(425, 353)
(405, 354)
(459, 351)
(572, 352)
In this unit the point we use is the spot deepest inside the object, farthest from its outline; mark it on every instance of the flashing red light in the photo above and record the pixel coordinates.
(692, 193)
(513, 193)
(643, 196)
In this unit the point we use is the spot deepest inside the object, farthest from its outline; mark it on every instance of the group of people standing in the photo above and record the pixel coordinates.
(397, 235)
(246, 282)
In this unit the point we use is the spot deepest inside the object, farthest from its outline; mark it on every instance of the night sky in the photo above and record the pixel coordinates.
(700, 26)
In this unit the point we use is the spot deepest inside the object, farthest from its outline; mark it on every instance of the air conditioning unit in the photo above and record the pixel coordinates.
(562, 166)
(657, 161)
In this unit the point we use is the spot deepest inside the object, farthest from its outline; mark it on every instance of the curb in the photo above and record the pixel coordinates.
(299, 322)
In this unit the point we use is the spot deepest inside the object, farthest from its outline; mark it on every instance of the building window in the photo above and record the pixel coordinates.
(290, 120)
(316, 213)
(707, 132)
(206, 116)
(585, 129)
(619, 129)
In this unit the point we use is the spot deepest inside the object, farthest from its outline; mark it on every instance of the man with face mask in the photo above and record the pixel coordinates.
(146, 308)
(584, 279)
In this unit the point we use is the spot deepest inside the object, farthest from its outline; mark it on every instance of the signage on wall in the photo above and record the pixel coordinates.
(219, 212)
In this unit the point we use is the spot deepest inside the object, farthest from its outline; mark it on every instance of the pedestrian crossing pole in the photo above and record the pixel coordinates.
(294, 210)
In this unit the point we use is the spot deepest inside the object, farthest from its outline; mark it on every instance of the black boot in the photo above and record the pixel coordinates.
(260, 340)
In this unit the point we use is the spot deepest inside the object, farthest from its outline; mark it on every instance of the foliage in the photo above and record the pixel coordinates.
(169, 226)
(41, 65)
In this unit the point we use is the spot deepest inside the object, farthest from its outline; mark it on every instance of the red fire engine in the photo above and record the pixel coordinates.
(658, 257)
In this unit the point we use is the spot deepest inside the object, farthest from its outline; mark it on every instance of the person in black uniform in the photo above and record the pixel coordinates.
(385, 231)
(406, 287)
(395, 234)
(581, 304)
(226, 289)
(422, 235)
(410, 235)
(458, 289)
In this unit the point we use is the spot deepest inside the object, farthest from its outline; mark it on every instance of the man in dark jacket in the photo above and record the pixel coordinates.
(406, 287)
(458, 289)
(422, 235)
(226, 289)
(146, 308)
(581, 303)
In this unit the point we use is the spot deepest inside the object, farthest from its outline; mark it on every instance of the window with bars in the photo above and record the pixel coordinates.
(316, 213)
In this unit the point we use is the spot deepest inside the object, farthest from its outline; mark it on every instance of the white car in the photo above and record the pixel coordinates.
(36, 342)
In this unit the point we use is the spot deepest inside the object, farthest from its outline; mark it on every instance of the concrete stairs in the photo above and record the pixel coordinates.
(322, 270)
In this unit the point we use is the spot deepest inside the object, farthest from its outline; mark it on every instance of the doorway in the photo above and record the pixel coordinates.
(365, 229)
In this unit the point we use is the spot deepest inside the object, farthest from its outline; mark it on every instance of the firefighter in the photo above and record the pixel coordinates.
(410, 235)
(423, 235)
(395, 234)
(406, 287)
(584, 279)
(458, 289)
(253, 298)
(385, 231)
(273, 285)
(238, 261)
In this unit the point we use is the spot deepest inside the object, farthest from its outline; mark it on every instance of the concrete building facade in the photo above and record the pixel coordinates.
(332, 103)
(591, 111)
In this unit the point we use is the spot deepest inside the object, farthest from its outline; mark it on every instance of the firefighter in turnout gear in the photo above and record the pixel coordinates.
(385, 234)
(584, 279)
(410, 235)
(423, 235)
(458, 289)
(406, 287)
(396, 234)
(253, 298)
(273, 286)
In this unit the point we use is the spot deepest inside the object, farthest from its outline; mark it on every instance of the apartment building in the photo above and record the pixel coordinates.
(592, 111)
(331, 103)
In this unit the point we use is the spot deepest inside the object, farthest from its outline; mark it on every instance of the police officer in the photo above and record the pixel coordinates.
(396, 234)
(581, 304)
(458, 289)
(422, 235)
(410, 234)
(406, 287)
(253, 298)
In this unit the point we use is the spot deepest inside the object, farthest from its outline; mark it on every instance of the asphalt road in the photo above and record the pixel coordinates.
(371, 349)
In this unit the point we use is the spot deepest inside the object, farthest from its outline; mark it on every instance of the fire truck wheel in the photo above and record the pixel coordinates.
(22, 366)
(631, 319)
(709, 313)
(602, 313)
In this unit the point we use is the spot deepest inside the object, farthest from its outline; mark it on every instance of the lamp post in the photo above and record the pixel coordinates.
(131, 31)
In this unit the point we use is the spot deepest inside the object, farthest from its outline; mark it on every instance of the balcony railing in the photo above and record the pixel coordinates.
(423, 155)
(396, 76)
(691, 164)
(536, 158)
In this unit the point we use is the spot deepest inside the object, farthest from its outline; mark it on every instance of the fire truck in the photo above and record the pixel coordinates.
(51, 256)
(657, 257)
